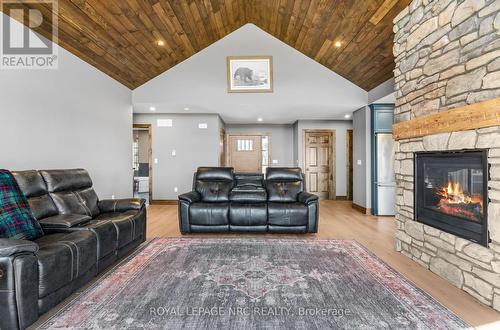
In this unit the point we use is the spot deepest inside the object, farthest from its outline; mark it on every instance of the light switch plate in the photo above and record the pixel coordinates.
(164, 122)
(174, 152)
(203, 125)
(359, 162)
(156, 160)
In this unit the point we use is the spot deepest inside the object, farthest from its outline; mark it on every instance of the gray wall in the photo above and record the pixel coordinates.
(340, 128)
(199, 147)
(194, 147)
(362, 152)
(222, 124)
(378, 93)
(281, 140)
(74, 116)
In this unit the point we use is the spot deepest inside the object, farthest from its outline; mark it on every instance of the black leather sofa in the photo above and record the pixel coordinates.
(83, 236)
(222, 201)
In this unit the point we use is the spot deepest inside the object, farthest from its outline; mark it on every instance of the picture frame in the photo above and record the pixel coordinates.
(250, 74)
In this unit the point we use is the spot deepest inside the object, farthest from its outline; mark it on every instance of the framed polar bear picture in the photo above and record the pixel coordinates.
(249, 74)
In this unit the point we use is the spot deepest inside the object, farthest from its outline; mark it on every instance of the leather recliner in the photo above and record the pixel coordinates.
(290, 208)
(222, 201)
(83, 236)
(207, 206)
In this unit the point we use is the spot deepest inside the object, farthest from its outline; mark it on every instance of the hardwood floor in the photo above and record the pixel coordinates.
(339, 221)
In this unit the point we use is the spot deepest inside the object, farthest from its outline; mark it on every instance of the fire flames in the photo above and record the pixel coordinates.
(455, 202)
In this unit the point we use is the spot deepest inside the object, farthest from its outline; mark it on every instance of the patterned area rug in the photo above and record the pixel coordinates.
(253, 284)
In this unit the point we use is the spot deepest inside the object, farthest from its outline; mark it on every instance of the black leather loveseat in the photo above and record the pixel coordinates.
(222, 201)
(83, 236)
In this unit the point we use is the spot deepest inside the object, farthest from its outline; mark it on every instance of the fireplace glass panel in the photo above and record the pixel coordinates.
(454, 189)
(451, 192)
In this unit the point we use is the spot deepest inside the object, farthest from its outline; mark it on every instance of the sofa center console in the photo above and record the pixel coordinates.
(249, 188)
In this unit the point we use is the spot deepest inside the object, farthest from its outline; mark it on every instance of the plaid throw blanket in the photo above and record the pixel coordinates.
(16, 219)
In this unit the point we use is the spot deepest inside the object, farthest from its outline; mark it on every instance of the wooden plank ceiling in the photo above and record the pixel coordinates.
(120, 37)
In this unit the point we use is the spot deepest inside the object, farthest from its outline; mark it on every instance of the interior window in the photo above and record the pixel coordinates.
(135, 153)
(265, 152)
(245, 145)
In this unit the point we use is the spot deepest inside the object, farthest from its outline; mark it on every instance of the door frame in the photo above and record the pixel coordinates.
(261, 134)
(332, 182)
(349, 163)
(149, 127)
(222, 147)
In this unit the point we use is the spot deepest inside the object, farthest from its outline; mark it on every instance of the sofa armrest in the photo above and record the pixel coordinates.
(10, 247)
(307, 198)
(190, 197)
(185, 201)
(64, 221)
(311, 201)
(18, 283)
(121, 205)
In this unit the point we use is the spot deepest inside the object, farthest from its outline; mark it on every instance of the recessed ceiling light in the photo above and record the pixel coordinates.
(260, 119)
(152, 108)
(347, 116)
(161, 42)
(186, 109)
(338, 44)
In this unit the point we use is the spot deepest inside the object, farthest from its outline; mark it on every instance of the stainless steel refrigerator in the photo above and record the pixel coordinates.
(386, 180)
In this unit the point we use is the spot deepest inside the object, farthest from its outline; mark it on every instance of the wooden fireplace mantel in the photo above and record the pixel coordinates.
(477, 115)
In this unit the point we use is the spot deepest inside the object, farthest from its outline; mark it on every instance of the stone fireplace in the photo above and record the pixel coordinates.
(448, 141)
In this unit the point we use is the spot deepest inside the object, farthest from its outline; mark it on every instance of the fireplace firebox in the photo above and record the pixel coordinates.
(451, 192)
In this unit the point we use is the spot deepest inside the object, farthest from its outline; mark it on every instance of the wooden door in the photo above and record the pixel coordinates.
(245, 153)
(319, 163)
(222, 147)
(349, 164)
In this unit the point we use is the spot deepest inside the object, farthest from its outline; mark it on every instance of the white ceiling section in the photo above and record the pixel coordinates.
(303, 88)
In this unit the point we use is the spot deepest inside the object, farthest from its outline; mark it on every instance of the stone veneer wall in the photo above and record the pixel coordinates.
(467, 265)
(448, 55)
